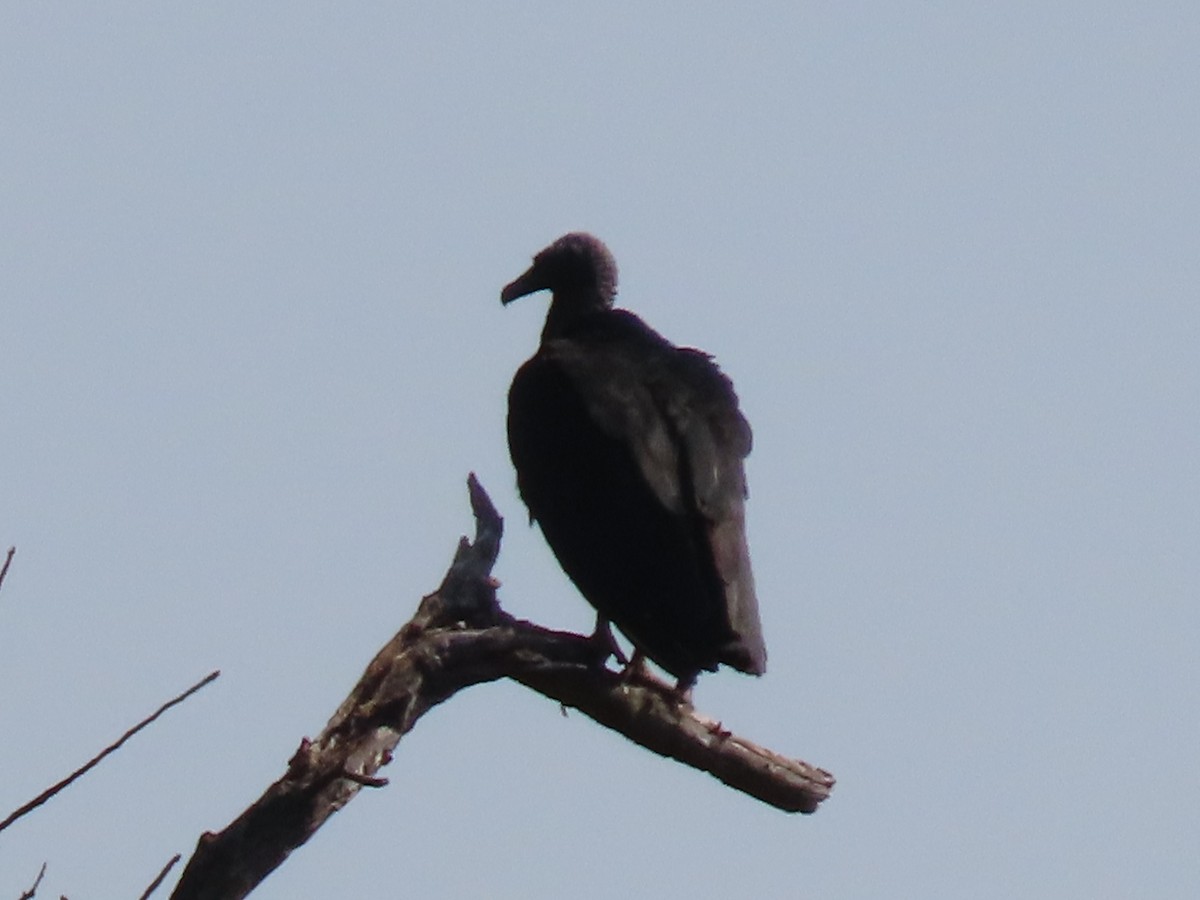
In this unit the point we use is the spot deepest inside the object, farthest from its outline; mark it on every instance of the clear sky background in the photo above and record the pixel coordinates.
(251, 345)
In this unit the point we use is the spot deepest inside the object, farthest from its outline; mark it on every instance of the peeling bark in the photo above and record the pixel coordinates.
(458, 637)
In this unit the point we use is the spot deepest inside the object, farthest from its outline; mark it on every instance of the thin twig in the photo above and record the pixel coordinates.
(95, 760)
(29, 894)
(7, 560)
(161, 875)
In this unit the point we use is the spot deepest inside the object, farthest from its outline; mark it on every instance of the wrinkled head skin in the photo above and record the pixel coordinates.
(576, 267)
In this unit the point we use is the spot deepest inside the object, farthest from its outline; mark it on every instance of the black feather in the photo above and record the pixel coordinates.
(629, 454)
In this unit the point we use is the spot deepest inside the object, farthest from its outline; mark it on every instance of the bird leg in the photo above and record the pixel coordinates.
(637, 672)
(606, 644)
(683, 690)
(635, 669)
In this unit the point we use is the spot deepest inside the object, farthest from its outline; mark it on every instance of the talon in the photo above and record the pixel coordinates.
(606, 644)
(683, 691)
(635, 669)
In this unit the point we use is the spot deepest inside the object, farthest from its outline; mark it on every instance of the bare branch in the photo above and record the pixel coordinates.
(111, 748)
(158, 879)
(32, 892)
(651, 715)
(458, 637)
(7, 562)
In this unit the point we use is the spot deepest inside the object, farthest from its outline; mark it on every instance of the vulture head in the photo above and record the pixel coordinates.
(577, 269)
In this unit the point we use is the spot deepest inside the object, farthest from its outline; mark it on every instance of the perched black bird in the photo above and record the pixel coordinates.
(628, 453)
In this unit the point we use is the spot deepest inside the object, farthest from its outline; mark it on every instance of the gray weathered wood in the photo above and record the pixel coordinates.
(458, 637)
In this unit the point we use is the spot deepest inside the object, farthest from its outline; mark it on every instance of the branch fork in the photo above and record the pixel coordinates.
(459, 636)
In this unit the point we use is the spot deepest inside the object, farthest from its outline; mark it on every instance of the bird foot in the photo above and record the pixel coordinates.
(606, 645)
(635, 670)
(682, 693)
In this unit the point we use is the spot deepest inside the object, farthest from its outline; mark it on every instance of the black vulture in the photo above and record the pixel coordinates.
(629, 453)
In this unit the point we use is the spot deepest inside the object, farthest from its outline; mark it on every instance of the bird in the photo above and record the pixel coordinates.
(629, 453)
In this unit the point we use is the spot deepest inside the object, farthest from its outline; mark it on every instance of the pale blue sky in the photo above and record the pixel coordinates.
(251, 345)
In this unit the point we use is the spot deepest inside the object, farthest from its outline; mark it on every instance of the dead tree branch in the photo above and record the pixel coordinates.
(7, 562)
(37, 882)
(458, 637)
(161, 876)
(111, 748)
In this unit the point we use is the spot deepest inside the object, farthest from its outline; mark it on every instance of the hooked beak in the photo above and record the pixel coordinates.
(528, 282)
